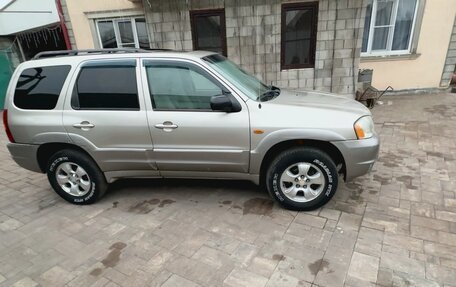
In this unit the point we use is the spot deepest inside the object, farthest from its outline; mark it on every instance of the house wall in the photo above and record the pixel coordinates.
(81, 29)
(253, 34)
(423, 70)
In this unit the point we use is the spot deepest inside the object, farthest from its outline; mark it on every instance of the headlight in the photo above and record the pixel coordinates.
(364, 127)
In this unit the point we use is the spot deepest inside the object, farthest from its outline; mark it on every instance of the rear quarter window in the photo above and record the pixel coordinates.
(39, 88)
(107, 85)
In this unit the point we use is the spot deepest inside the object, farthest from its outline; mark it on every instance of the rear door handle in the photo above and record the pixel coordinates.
(166, 126)
(85, 126)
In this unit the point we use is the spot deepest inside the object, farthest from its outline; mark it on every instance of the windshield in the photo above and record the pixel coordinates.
(248, 84)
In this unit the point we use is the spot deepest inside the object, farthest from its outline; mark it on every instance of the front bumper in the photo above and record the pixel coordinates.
(25, 155)
(359, 155)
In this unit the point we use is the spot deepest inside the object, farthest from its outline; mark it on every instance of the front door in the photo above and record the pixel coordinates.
(106, 115)
(187, 134)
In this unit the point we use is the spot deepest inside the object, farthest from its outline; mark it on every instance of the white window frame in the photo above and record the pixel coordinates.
(392, 26)
(115, 23)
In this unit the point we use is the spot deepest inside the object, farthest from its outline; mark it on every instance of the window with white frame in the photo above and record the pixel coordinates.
(123, 33)
(389, 27)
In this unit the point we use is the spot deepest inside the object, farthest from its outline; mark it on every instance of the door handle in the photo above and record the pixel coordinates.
(85, 126)
(166, 126)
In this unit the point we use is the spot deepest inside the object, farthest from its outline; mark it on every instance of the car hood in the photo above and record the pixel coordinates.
(320, 100)
(311, 114)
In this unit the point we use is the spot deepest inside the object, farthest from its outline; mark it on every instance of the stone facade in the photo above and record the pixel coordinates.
(450, 63)
(253, 32)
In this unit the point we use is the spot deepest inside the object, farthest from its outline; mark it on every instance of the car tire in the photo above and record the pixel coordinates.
(75, 177)
(302, 179)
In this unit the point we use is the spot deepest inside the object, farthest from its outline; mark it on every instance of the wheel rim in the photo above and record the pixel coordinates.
(73, 179)
(302, 182)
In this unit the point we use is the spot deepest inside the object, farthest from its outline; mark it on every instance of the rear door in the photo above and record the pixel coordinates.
(106, 114)
(187, 134)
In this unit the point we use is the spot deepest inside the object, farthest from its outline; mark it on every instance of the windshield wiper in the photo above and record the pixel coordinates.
(270, 94)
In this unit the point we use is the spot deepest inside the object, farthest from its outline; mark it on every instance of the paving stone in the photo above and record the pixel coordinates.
(329, 213)
(446, 215)
(56, 276)
(244, 254)
(450, 202)
(310, 220)
(441, 274)
(191, 269)
(355, 282)
(239, 278)
(25, 282)
(385, 277)
(303, 268)
(160, 278)
(439, 250)
(435, 198)
(404, 279)
(331, 273)
(279, 279)
(404, 242)
(212, 257)
(424, 233)
(430, 223)
(402, 264)
(264, 266)
(349, 221)
(369, 242)
(364, 267)
(177, 281)
(411, 194)
(313, 237)
(448, 262)
(447, 238)
(423, 209)
(10, 224)
(395, 250)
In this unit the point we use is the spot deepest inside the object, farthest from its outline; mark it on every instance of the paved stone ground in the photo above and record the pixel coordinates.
(394, 227)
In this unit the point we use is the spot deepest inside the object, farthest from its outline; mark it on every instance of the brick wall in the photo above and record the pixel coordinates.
(253, 34)
(450, 64)
(68, 24)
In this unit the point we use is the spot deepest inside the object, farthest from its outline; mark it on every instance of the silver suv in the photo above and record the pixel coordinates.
(88, 118)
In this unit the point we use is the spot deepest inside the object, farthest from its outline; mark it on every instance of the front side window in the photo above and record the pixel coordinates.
(180, 86)
(389, 27)
(208, 30)
(299, 35)
(123, 33)
(106, 86)
(39, 88)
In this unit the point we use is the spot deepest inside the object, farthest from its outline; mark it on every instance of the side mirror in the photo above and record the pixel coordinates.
(224, 103)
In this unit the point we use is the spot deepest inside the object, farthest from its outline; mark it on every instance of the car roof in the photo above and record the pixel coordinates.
(77, 56)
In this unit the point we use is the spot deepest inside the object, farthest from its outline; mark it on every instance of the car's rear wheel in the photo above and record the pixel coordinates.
(75, 177)
(302, 178)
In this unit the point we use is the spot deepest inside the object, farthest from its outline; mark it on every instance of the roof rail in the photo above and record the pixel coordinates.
(49, 54)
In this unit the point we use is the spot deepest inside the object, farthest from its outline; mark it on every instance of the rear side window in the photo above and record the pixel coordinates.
(107, 86)
(39, 88)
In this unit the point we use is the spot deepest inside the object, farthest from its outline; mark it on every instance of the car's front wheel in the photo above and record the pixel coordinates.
(302, 178)
(75, 177)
